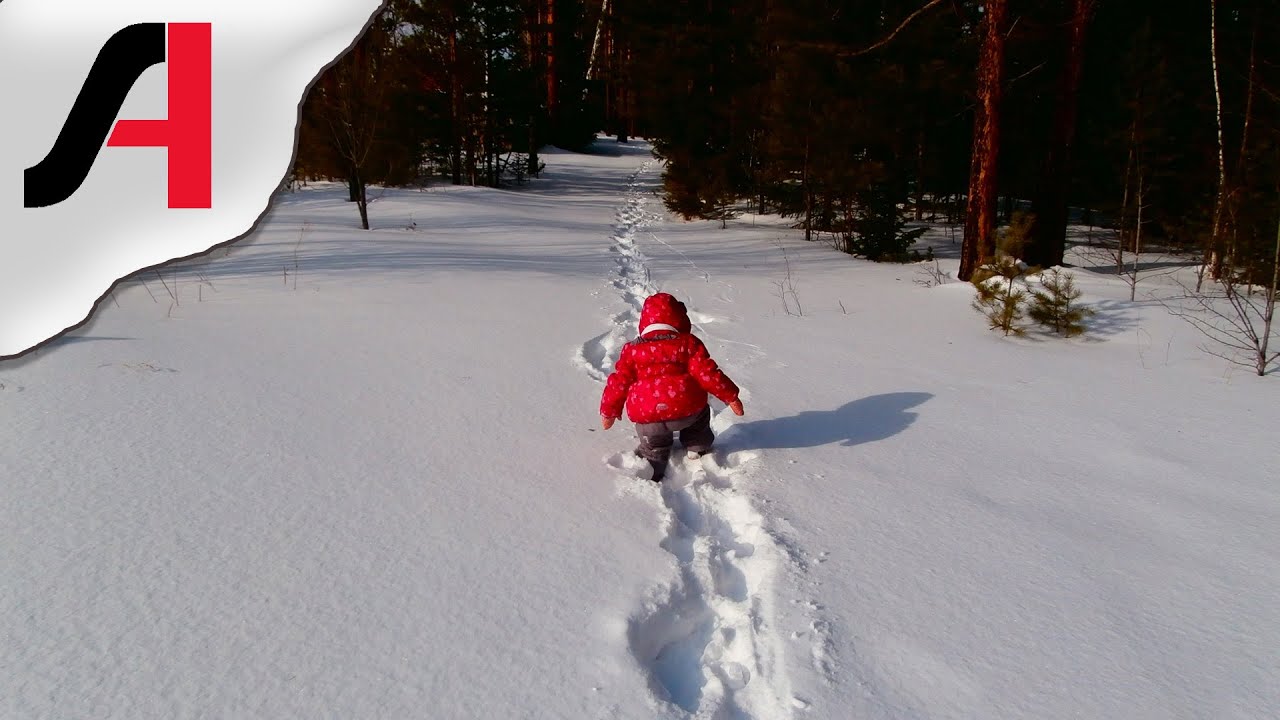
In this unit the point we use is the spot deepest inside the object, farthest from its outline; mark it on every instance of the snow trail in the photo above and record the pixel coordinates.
(707, 638)
(632, 280)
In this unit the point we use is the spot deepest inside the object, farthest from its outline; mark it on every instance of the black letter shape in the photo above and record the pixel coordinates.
(118, 66)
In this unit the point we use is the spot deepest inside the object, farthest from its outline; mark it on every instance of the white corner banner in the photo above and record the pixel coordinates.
(135, 132)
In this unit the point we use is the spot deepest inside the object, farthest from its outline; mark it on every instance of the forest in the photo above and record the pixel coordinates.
(1157, 122)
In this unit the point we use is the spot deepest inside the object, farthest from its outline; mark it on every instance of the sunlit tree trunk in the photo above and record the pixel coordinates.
(980, 218)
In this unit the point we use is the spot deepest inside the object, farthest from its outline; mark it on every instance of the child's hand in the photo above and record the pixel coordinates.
(607, 422)
(736, 407)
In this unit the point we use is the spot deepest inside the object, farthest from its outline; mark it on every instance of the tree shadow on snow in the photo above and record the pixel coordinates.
(866, 420)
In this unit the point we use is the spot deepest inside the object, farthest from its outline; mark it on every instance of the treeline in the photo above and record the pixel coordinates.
(1163, 119)
(466, 90)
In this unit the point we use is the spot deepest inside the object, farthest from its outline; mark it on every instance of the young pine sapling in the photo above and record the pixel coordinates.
(1054, 304)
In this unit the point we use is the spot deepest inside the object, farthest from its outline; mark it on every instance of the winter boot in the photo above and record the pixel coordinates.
(659, 470)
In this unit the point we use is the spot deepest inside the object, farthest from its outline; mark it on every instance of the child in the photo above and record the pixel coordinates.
(664, 376)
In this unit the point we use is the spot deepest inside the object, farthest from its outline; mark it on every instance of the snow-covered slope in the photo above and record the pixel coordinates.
(330, 473)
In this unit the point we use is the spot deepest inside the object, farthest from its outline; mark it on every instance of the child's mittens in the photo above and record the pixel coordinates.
(607, 422)
(736, 407)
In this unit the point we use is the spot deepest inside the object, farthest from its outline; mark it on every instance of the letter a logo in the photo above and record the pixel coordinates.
(187, 132)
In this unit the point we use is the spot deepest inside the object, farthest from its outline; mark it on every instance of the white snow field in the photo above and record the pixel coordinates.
(325, 473)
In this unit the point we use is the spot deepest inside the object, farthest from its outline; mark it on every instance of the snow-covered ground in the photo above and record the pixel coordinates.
(330, 473)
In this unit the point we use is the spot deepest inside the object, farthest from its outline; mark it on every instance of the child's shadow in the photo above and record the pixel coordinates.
(862, 421)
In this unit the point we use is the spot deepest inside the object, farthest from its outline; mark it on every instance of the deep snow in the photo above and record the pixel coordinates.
(352, 474)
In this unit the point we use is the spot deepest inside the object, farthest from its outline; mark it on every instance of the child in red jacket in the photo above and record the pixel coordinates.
(663, 377)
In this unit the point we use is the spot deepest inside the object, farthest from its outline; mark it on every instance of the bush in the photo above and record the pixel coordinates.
(877, 227)
(1001, 297)
(1054, 305)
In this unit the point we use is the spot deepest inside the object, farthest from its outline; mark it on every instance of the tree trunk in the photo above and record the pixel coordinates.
(1124, 203)
(548, 11)
(1269, 311)
(1137, 236)
(489, 147)
(455, 102)
(919, 194)
(979, 227)
(1239, 175)
(1214, 260)
(533, 39)
(471, 160)
(1049, 227)
(808, 194)
(362, 201)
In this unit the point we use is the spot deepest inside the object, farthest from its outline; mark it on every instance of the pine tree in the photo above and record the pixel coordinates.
(1054, 304)
(879, 224)
(1049, 233)
(979, 228)
(1002, 294)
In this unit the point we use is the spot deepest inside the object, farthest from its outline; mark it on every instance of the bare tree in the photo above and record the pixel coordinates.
(1237, 318)
(1134, 205)
(350, 101)
(1213, 256)
(1130, 273)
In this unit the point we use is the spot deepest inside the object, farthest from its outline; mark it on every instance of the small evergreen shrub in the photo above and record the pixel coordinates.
(1002, 295)
(878, 226)
(1054, 304)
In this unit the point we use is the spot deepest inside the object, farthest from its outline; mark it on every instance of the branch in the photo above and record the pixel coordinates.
(910, 18)
(1009, 34)
(1023, 75)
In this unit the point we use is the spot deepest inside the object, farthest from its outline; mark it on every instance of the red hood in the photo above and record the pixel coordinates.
(664, 309)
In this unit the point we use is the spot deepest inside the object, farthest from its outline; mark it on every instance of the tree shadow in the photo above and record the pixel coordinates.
(865, 420)
(1111, 318)
(18, 363)
(73, 339)
(1144, 266)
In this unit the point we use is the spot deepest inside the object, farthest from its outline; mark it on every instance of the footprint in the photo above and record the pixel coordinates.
(594, 355)
(670, 641)
(629, 464)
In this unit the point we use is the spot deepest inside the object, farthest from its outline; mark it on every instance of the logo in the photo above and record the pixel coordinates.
(110, 115)
(186, 133)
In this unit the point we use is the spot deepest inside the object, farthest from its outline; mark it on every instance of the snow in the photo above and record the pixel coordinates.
(352, 474)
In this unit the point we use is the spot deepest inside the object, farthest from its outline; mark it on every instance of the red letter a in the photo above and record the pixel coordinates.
(188, 131)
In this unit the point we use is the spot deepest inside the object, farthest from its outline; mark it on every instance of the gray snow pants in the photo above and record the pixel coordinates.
(657, 438)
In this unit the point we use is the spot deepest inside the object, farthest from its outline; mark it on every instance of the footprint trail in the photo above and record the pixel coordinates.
(707, 637)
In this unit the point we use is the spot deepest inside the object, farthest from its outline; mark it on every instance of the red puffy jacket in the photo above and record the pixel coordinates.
(666, 373)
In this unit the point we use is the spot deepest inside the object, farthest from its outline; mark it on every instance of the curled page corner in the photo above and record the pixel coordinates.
(143, 133)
